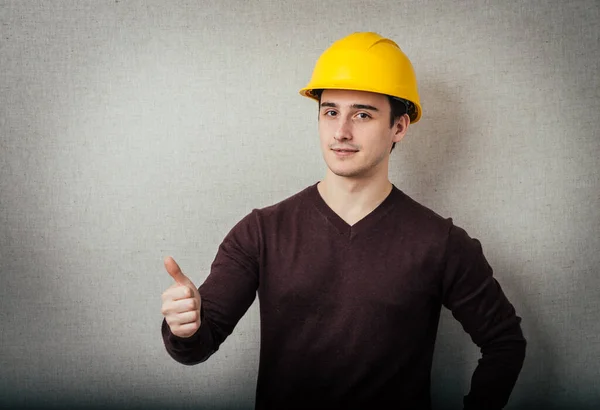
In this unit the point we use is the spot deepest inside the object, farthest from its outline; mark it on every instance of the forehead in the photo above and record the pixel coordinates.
(351, 97)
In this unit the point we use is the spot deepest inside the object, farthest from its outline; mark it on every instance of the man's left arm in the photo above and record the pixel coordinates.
(477, 301)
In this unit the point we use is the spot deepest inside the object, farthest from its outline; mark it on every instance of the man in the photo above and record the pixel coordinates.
(351, 273)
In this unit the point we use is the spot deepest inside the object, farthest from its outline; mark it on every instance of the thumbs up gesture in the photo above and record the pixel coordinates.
(181, 302)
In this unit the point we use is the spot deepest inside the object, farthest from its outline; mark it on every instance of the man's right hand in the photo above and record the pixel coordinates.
(181, 302)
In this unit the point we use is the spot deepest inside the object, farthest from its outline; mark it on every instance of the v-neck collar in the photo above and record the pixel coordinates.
(364, 224)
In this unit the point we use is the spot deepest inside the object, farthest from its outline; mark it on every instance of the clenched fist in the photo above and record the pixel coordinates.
(181, 302)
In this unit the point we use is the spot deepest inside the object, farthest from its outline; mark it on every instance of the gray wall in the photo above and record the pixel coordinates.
(134, 130)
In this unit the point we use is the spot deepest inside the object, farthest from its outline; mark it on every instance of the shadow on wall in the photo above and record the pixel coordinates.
(430, 156)
(432, 161)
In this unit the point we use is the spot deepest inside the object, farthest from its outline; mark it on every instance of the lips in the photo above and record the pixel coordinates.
(344, 150)
(344, 153)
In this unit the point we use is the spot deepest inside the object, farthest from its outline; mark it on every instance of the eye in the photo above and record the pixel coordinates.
(363, 115)
(330, 113)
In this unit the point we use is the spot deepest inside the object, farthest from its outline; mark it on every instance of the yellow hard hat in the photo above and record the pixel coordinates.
(366, 62)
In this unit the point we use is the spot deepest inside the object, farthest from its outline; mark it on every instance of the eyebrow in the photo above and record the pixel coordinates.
(355, 106)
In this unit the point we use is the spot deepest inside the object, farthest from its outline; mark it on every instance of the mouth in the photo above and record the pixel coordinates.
(342, 152)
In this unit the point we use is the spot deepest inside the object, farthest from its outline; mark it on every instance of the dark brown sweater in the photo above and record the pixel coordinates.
(349, 314)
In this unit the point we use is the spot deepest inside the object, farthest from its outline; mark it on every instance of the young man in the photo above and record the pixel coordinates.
(351, 273)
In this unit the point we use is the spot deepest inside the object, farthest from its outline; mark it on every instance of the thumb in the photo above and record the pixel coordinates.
(175, 271)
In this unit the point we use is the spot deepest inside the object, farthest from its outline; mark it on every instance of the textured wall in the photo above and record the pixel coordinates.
(133, 130)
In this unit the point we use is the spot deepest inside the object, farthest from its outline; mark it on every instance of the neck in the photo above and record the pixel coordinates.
(353, 198)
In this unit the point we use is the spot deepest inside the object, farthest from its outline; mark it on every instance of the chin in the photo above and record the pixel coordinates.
(346, 172)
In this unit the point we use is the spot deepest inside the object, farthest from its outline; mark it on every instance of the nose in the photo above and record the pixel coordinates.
(343, 131)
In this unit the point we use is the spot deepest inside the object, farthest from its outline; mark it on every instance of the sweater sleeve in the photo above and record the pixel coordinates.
(226, 295)
(477, 301)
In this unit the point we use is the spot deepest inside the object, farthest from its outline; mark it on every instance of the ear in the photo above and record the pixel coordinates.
(401, 127)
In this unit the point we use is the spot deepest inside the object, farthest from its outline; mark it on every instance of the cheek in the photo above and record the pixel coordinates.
(382, 135)
(325, 132)
(371, 133)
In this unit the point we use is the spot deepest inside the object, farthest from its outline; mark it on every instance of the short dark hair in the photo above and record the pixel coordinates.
(398, 107)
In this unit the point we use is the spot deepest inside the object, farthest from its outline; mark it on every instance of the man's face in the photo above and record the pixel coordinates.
(355, 132)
